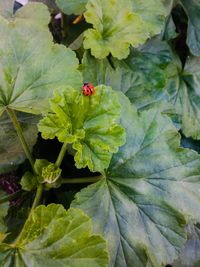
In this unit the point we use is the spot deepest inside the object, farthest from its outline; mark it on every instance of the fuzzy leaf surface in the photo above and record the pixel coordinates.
(150, 190)
(53, 237)
(91, 124)
(11, 151)
(31, 66)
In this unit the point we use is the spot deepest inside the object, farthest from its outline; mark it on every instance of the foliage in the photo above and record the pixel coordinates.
(121, 159)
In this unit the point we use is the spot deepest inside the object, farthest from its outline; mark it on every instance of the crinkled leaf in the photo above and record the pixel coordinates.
(72, 6)
(53, 237)
(91, 124)
(31, 66)
(150, 190)
(192, 9)
(11, 151)
(190, 255)
(3, 212)
(115, 27)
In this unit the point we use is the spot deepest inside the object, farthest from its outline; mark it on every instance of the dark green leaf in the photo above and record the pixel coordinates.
(150, 190)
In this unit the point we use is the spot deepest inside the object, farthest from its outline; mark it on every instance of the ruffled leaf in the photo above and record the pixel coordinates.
(53, 236)
(91, 124)
(150, 191)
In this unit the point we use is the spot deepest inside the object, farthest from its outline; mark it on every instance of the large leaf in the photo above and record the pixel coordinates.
(149, 192)
(53, 237)
(6, 8)
(31, 66)
(192, 9)
(11, 151)
(3, 212)
(72, 6)
(91, 124)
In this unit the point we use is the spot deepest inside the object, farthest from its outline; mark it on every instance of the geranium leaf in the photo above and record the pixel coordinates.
(149, 192)
(31, 66)
(6, 8)
(192, 9)
(114, 23)
(3, 212)
(72, 6)
(91, 124)
(143, 84)
(11, 151)
(53, 236)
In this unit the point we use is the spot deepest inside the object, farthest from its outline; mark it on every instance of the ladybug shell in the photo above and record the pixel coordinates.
(88, 89)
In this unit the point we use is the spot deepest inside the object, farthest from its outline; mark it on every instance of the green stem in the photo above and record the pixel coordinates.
(37, 198)
(81, 180)
(10, 197)
(19, 131)
(61, 155)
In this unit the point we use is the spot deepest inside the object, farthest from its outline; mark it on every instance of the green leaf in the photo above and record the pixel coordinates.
(72, 6)
(143, 84)
(192, 9)
(183, 89)
(31, 66)
(115, 27)
(3, 212)
(11, 151)
(53, 237)
(91, 124)
(153, 13)
(28, 181)
(149, 192)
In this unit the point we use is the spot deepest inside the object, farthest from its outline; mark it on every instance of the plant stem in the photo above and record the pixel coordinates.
(20, 135)
(81, 180)
(37, 198)
(61, 155)
(10, 197)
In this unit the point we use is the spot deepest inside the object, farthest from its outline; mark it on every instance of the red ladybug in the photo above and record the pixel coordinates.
(88, 89)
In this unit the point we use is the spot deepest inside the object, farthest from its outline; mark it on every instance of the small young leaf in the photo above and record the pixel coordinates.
(91, 124)
(53, 237)
(28, 181)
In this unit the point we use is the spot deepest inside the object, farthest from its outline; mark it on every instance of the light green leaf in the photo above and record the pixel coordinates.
(3, 212)
(31, 66)
(91, 124)
(28, 181)
(150, 190)
(53, 237)
(115, 28)
(192, 9)
(72, 6)
(11, 151)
